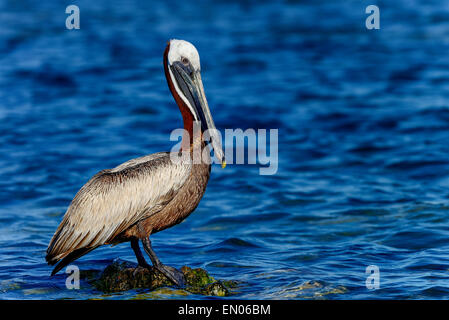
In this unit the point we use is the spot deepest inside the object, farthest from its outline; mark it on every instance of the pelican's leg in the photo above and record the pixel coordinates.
(140, 259)
(173, 274)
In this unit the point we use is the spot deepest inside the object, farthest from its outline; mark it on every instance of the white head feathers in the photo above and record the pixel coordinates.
(180, 49)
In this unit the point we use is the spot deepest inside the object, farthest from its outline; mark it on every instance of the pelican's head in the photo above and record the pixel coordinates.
(183, 72)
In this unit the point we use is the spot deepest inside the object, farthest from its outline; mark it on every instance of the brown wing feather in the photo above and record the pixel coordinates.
(115, 199)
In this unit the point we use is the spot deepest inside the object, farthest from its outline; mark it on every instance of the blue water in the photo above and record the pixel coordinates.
(363, 119)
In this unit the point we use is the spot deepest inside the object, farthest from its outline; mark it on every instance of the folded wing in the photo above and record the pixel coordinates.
(115, 199)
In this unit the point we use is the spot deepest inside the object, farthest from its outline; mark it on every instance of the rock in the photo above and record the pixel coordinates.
(123, 276)
(216, 289)
(196, 277)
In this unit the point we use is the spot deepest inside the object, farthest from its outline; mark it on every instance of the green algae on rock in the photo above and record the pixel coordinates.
(122, 276)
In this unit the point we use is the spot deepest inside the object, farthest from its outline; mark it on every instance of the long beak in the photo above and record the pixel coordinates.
(191, 86)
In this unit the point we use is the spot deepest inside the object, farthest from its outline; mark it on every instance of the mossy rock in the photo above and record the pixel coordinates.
(122, 276)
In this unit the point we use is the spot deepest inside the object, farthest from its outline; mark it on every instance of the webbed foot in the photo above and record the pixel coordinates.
(173, 274)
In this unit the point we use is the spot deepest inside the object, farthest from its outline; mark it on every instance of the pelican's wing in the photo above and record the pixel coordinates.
(113, 200)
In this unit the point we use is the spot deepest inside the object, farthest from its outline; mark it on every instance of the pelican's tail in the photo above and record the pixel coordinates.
(72, 256)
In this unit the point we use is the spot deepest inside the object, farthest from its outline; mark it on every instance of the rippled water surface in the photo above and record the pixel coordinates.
(363, 121)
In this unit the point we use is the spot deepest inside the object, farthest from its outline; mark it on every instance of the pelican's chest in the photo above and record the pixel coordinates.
(186, 200)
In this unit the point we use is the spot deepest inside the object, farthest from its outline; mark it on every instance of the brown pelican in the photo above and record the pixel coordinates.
(148, 194)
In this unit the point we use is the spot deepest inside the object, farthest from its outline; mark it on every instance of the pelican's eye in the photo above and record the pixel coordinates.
(185, 61)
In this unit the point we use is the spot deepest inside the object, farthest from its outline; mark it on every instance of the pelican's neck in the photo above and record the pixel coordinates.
(191, 139)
